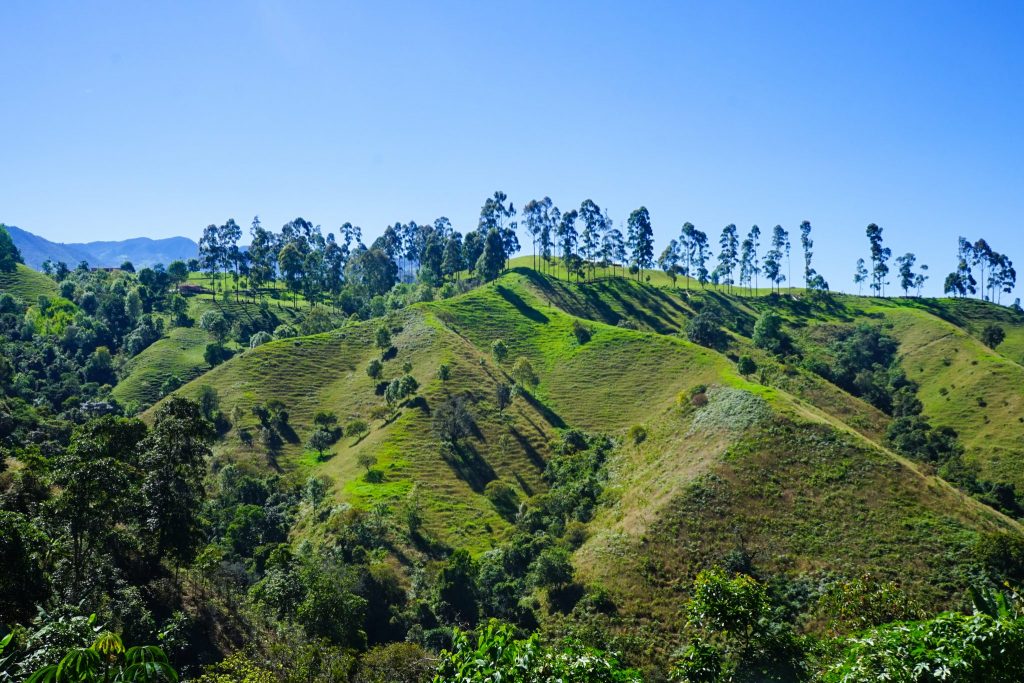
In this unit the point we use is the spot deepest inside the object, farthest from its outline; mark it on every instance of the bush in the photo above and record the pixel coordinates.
(768, 334)
(704, 329)
(356, 428)
(993, 335)
(637, 434)
(395, 663)
(581, 332)
(260, 338)
(499, 350)
(216, 353)
(503, 496)
(746, 366)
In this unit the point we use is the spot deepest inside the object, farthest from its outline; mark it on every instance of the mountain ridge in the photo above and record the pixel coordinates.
(141, 251)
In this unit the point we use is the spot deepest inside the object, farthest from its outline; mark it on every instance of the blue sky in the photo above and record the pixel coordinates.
(127, 119)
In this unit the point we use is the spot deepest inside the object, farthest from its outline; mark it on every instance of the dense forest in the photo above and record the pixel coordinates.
(168, 520)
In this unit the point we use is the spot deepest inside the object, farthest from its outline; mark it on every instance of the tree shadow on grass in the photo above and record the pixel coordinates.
(469, 465)
(520, 305)
(551, 416)
(531, 452)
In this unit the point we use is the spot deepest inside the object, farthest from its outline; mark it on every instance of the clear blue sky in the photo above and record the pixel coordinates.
(146, 118)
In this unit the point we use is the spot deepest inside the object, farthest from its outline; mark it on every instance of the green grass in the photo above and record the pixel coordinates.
(808, 490)
(27, 284)
(179, 354)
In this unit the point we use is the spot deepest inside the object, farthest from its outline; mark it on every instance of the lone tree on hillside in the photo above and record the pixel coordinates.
(366, 460)
(320, 440)
(383, 338)
(499, 350)
(993, 335)
(523, 373)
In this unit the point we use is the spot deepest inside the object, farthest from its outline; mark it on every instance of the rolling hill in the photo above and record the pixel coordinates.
(782, 470)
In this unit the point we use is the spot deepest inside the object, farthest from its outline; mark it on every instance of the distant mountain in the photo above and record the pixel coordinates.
(141, 251)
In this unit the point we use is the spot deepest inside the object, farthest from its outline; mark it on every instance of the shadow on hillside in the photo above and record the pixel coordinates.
(469, 465)
(549, 415)
(521, 306)
(531, 452)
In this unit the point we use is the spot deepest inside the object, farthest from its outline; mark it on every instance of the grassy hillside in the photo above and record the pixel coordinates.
(786, 481)
(27, 284)
(179, 354)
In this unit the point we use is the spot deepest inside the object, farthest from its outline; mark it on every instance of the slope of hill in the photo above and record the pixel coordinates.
(27, 284)
(749, 472)
(141, 251)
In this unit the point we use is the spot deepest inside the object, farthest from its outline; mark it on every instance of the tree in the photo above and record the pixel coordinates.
(773, 259)
(879, 257)
(499, 350)
(452, 263)
(993, 335)
(669, 260)
(216, 324)
(593, 226)
(808, 245)
(688, 250)
(746, 366)
(908, 278)
(444, 372)
(704, 329)
(502, 396)
(492, 260)
(534, 217)
(10, 256)
(493, 216)
(382, 338)
(768, 334)
(640, 238)
(567, 239)
(754, 237)
(290, 262)
(860, 275)
(614, 247)
(174, 461)
(728, 254)
(366, 460)
(320, 440)
(981, 255)
(523, 373)
(453, 420)
(372, 270)
(456, 589)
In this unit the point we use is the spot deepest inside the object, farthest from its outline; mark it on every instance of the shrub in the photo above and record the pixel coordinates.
(374, 368)
(746, 366)
(259, 338)
(356, 428)
(523, 373)
(704, 329)
(993, 335)
(768, 334)
(216, 353)
(581, 332)
(637, 434)
(499, 350)
(503, 497)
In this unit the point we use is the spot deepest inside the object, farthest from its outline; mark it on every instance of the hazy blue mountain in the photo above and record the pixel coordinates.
(141, 251)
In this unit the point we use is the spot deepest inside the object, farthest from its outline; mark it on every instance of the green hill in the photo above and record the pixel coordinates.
(27, 284)
(783, 468)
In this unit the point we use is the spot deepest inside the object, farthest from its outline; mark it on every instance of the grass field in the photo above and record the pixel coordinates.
(27, 284)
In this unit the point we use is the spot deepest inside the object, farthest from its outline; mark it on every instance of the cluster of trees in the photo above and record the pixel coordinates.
(1002, 277)
(96, 523)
